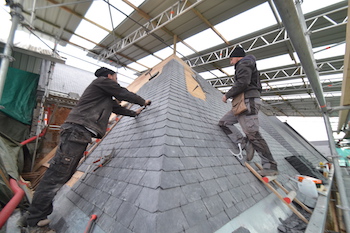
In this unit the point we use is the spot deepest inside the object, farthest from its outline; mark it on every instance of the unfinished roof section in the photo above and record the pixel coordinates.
(172, 170)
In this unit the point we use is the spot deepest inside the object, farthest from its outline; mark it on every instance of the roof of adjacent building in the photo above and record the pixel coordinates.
(172, 169)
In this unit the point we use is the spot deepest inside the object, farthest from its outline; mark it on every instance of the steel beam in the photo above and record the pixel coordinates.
(173, 12)
(276, 36)
(301, 43)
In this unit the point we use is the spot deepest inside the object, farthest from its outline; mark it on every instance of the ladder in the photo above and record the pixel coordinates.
(286, 200)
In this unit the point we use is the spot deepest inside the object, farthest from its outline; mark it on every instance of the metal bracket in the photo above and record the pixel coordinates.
(343, 208)
(11, 59)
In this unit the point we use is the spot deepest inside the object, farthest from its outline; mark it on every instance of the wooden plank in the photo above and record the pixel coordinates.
(286, 191)
(295, 211)
(46, 159)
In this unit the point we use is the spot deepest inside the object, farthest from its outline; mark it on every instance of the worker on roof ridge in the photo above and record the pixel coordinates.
(89, 118)
(247, 81)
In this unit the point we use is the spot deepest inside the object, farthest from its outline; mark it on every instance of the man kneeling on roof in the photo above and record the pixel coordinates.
(247, 81)
(89, 118)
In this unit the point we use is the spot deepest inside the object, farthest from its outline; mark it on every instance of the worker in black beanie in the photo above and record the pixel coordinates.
(247, 82)
(89, 118)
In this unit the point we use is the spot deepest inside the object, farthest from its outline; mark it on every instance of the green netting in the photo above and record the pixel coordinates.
(19, 95)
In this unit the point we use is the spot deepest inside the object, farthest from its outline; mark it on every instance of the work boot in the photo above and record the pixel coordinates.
(37, 229)
(22, 221)
(268, 172)
(43, 222)
(271, 171)
(248, 147)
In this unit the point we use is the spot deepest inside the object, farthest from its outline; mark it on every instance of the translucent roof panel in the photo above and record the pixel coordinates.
(150, 61)
(164, 53)
(105, 15)
(272, 62)
(204, 40)
(310, 6)
(247, 22)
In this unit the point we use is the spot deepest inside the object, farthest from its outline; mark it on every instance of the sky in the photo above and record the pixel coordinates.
(76, 57)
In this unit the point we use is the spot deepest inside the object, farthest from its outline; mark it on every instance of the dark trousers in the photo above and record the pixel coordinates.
(73, 142)
(249, 122)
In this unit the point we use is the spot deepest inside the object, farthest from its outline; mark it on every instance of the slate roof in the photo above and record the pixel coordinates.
(172, 170)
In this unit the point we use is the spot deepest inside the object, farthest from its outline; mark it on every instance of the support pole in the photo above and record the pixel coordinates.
(16, 13)
(338, 174)
(295, 26)
(175, 41)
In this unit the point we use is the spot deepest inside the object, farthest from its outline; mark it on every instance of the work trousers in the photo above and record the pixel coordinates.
(73, 142)
(249, 122)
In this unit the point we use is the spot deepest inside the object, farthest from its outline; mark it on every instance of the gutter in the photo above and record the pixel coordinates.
(12, 204)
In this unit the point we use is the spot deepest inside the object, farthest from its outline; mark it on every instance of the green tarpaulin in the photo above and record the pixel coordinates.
(19, 95)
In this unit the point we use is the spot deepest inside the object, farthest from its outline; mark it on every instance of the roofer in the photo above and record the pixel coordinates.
(89, 118)
(247, 81)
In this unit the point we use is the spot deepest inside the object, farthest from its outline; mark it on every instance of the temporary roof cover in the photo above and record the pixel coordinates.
(172, 169)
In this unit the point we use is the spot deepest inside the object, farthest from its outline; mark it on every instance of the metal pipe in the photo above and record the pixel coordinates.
(338, 174)
(16, 13)
(298, 36)
(302, 46)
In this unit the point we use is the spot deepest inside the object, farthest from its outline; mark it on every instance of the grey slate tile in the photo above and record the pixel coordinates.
(151, 179)
(214, 204)
(171, 179)
(191, 176)
(195, 212)
(130, 193)
(227, 198)
(193, 192)
(172, 164)
(207, 173)
(176, 221)
(111, 206)
(170, 199)
(219, 220)
(144, 222)
(211, 187)
(126, 213)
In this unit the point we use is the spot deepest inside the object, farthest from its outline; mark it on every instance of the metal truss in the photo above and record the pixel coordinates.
(300, 89)
(270, 38)
(150, 27)
(326, 67)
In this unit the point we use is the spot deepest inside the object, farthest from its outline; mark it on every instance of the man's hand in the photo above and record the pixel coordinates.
(224, 99)
(148, 102)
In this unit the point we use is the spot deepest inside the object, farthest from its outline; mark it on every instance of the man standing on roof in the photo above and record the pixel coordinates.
(89, 118)
(247, 81)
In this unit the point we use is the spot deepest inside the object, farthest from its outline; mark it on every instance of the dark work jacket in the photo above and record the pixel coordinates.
(246, 79)
(96, 105)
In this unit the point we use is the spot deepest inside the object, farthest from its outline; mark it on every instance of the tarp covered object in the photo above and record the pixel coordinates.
(19, 95)
(11, 163)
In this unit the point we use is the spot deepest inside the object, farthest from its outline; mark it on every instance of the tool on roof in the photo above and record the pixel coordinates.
(239, 156)
(151, 76)
(104, 160)
(143, 107)
(91, 224)
(269, 186)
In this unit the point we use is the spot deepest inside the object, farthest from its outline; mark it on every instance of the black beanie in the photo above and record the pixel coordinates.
(238, 52)
(103, 72)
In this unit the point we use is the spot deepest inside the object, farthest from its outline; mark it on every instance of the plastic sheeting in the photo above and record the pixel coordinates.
(19, 95)
(11, 163)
